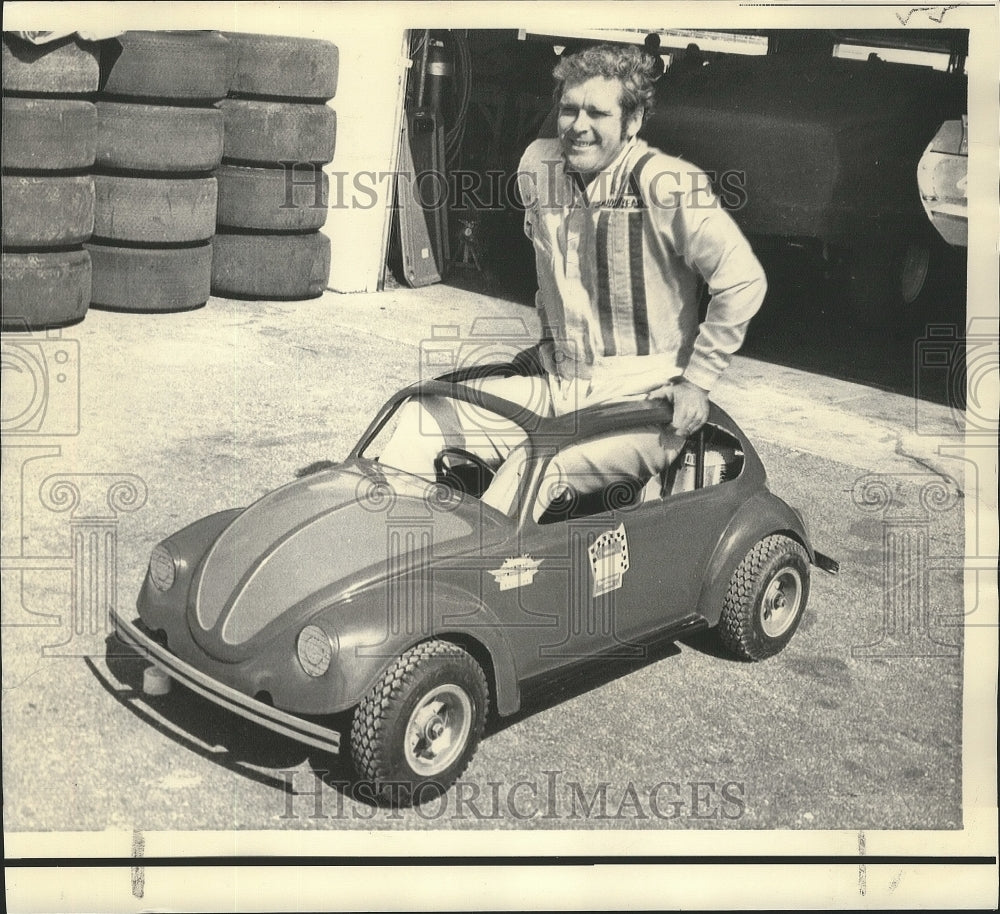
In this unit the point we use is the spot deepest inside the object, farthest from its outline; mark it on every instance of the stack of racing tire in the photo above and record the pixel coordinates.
(49, 138)
(273, 194)
(159, 140)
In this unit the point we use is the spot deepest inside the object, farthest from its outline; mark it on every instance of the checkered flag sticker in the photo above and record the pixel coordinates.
(609, 560)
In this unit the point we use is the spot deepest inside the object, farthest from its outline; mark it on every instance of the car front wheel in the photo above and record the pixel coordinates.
(418, 728)
(766, 598)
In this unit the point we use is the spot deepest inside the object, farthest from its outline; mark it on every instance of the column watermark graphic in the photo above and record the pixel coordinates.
(907, 504)
(965, 363)
(41, 405)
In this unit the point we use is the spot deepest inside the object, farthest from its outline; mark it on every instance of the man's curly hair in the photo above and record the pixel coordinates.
(630, 65)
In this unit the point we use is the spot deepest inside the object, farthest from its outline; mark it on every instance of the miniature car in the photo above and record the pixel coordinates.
(422, 608)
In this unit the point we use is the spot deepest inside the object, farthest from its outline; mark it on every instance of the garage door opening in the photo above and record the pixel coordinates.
(825, 142)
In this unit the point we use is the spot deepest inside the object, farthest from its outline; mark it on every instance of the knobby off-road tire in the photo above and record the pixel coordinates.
(188, 66)
(766, 598)
(48, 134)
(158, 138)
(154, 210)
(417, 730)
(66, 67)
(279, 67)
(45, 290)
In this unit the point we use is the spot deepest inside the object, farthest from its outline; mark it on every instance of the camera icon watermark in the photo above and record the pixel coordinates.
(489, 342)
(966, 367)
(495, 358)
(41, 386)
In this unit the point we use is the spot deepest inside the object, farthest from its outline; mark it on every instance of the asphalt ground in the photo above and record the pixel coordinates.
(857, 724)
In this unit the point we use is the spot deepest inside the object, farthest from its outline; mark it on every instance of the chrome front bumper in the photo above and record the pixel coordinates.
(296, 728)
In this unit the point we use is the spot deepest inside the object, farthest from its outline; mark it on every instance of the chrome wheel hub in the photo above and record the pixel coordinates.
(781, 601)
(438, 729)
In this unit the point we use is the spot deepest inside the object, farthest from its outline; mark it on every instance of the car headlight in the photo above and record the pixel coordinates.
(315, 650)
(162, 568)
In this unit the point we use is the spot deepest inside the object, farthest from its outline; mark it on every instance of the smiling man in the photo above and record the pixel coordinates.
(624, 238)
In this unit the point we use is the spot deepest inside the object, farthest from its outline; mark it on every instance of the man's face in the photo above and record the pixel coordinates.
(591, 129)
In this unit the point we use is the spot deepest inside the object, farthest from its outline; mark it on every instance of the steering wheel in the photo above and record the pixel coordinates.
(459, 477)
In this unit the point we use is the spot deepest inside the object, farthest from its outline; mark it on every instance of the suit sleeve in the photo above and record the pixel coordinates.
(712, 245)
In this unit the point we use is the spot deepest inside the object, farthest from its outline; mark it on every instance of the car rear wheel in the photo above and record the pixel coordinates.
(418, 728)
(886, 279)
(766, 598)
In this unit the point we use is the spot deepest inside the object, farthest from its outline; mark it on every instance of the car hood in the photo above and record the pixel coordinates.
(316, 540)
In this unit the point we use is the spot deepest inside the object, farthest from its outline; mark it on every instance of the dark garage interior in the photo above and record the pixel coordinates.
(821, 132)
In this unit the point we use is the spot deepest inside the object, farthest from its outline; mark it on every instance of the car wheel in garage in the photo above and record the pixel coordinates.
(289, 267)
(47, 211)
(48, 134)
(766, 598)
(415, 732)
(273, 199)
(45, 289)
(154, 210)
(158, 137)
(282, 67)
(268, 133)
(886, 277)
(190, 66)
(66, 67)
(150, 279)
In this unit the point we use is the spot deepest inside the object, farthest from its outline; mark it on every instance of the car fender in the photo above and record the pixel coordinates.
(368, 646)
(761, 515)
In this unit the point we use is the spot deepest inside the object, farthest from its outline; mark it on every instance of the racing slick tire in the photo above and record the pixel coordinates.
(271, 199)
(766, 598)
(158, 138)
(66, 67)
(45, 290)
(276, 267)
(47, 211)
(154, 210)
(165, 66)
(269, 133)
(145, 280)
(416, 731)
(48, 134)
(280, 67)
